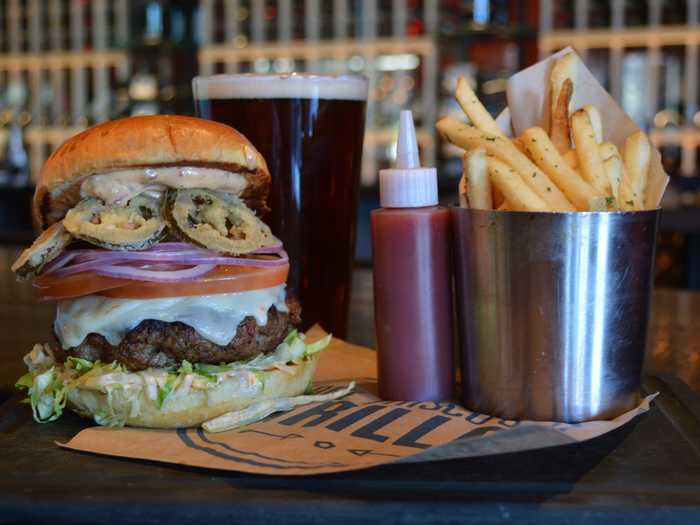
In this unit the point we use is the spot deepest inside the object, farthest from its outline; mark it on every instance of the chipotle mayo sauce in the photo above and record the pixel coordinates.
(121, 185)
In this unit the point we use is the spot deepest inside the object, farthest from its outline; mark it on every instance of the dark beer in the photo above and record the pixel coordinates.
(311, 138)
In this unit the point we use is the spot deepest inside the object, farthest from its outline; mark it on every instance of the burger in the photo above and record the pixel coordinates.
(171, 302)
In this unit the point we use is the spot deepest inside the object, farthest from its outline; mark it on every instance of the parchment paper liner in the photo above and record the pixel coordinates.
(356, 432)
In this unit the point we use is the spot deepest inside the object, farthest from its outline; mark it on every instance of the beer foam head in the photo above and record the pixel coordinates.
(341, 87)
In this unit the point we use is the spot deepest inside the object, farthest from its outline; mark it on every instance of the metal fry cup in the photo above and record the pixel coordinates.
(552, 311)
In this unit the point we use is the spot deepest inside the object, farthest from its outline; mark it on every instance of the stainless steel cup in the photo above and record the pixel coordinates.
(552, 311)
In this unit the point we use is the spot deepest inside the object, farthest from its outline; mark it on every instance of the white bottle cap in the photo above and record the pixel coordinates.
(407, 185)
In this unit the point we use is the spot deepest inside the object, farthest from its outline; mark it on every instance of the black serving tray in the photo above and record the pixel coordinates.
(647, 471)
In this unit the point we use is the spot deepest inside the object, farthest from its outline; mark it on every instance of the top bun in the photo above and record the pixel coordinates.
(158, 140)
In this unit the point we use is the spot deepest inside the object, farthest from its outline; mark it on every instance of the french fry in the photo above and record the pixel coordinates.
(599, 204)
(498, 198)
(547, 157)
(571, 159)
(567, 167)
(627, 199)
(518, 143)
(477, 178)
(596, 122)
(516, 192)
(463, 200)
(637, 155)
(559, 125)
(563, 69)
(613, 170)
(468, 137)
(607, 150)
(474, 109)
(591, 165)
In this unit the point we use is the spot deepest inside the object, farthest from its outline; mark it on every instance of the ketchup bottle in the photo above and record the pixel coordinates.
(412, 279)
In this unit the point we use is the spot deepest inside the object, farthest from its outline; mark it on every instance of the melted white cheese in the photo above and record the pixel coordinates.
(214, 317)
(121, 185)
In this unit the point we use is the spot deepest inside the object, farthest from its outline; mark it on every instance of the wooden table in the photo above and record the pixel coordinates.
(648, 470)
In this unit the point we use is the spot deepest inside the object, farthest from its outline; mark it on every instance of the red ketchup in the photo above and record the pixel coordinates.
(412, 279)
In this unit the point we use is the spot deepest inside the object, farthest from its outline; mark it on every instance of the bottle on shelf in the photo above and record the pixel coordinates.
(14, 163)
(17, 160)
(5, 119)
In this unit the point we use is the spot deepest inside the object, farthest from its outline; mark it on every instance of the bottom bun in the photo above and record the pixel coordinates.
(194, 407)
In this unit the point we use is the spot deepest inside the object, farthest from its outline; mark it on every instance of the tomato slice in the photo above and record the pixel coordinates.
(76, 285)
(222, 279)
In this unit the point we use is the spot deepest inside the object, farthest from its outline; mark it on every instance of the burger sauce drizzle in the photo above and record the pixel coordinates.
(121, 185)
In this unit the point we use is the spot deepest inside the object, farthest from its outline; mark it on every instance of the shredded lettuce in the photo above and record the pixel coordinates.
(261, 379)
(47, 394)
(112, 417)
(291, 336)
(88, 374)
(166, 389)
(106, 419)
(79, 364)
(297, 351)
(26, 381)
(319, 345)
(49, 384)
(265, 407)
(210, 371)
(186, 367)
(46, 388)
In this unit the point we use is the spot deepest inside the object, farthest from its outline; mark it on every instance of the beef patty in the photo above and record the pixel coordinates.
(159, 344)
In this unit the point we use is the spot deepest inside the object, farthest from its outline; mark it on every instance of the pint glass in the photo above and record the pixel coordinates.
(310, 131)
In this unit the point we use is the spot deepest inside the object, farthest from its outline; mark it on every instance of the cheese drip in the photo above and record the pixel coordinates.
(214, 317)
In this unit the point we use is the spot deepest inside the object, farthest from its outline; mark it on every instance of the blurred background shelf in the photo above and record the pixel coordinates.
(683, 220)
(609, 38)
(68, 64)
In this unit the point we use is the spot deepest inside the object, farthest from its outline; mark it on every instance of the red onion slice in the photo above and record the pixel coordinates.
(275, 248)
(167, 257)
(238, 261)
(184, 246)
(172, 246)
(175, 257)
(156, 276)
(58, 262)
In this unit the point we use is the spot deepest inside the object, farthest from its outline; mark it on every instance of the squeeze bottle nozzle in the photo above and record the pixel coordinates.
(406, 144)
(407, 185)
